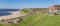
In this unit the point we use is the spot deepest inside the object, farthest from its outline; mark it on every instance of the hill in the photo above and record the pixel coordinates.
(40, 19)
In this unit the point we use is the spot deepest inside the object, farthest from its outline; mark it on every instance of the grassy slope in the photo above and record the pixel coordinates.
(25, 11)
(39, 20)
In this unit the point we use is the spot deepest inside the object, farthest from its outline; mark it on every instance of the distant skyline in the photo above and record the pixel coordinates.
(27, 3)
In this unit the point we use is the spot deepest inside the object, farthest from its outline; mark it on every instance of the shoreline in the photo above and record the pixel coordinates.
(13, 15)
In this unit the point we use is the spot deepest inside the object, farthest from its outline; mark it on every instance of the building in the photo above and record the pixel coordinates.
(57, 7)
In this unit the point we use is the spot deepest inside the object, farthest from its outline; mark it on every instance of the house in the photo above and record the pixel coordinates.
(57, 7)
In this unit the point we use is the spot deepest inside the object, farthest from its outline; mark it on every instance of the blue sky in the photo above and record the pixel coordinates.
(9, 3)
(27, 3)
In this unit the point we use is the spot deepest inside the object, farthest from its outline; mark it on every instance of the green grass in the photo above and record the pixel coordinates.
(39, 20)
(25, 11)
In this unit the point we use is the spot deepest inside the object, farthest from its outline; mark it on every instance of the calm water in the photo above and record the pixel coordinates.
(4, 12)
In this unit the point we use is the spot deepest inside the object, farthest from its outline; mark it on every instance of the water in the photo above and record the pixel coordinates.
(4, 12)
(7, 10)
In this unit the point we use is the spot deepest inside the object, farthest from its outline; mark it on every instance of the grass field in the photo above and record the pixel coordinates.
(39, 20)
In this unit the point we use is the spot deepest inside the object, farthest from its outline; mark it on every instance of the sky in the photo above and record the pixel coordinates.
(9, 3)
(27, 3)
